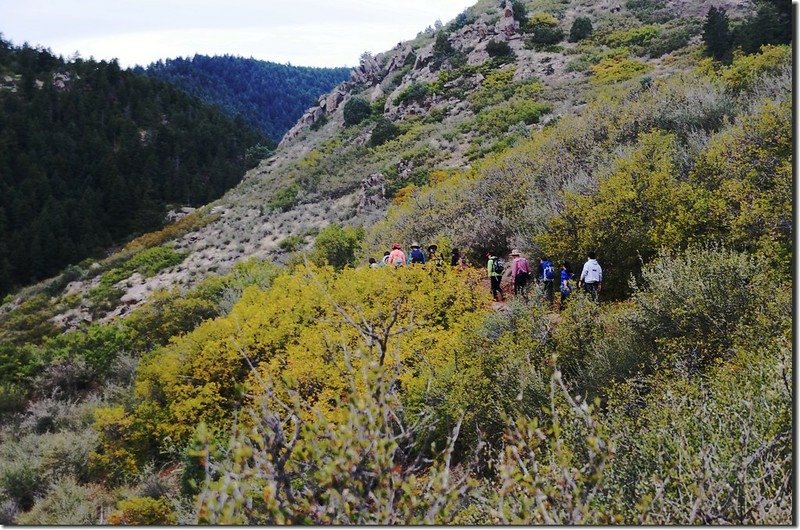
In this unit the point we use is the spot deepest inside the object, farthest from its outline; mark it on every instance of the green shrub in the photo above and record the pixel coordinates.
(545, 31)
(170, 313)
(650, 11)
(337, 246)
(436, 114)
(384, 131)
(462, 19)
(496, 120)
(638, 36)
(255, 154)
(681, 318)
(30, 321)
(501, 372)
(143, 511)
(319, 123)
(614, 70)
(13, 397)
(70, 274)
(356, 110)
(104, 298)
(413, 93)
(18, 363)
(581, 28)
(152, 260)
(499, 50)
(20, 480)
(285, 199)
(98, 345)
(147, 262)
(668, 41)
(69, 503)
(724, 444)
(291, 243)
(378, 107)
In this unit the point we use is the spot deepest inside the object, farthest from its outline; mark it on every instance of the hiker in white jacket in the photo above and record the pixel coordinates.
(592, 276)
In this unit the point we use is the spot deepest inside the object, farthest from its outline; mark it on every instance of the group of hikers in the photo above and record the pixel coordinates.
(397, 257)
(591, 277)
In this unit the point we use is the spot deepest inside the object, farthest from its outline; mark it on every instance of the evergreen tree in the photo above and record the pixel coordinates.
(772, 24)
(717, 34)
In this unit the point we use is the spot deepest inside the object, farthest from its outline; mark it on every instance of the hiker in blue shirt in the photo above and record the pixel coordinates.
(416, 255)
(565, 286)
(547, 276)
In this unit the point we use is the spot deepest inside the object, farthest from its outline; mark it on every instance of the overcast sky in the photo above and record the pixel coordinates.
(303, 32)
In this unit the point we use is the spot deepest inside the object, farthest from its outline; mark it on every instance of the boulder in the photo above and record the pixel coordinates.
(372, 194)
(377, 93)
(367, 71)
(334, 99)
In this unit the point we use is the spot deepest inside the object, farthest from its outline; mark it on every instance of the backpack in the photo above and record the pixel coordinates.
(417, 256)
(547, 270)
(499, 266)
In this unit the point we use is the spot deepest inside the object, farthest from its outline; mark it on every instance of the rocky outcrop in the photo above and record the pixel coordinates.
(372, 194)
(334, 99)
(398, 58)
(367, 72)
(376, 93)
(507, 26)
(469, 36)
(177, 215)
(326, 105)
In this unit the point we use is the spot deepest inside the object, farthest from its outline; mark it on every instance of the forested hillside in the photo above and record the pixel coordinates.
(246, 365)
(269, 96)
(91, 154)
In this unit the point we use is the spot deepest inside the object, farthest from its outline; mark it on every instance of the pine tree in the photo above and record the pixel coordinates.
(717, 34)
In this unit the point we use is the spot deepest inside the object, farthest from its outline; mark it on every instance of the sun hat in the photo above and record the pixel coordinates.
(414, 245)
(515, 252)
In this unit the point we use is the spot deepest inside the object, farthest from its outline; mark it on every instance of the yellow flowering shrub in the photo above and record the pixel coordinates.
(300, 334)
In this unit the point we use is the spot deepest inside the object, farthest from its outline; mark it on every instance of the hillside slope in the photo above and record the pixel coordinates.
(243, 365)
(441, 103)
(269, 96)
(93, 154)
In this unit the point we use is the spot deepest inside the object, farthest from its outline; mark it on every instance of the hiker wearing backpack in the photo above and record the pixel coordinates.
(396, 257)
(435, 258)
(547, 275)
(592, 276)
(457, 260)
(495, 267)
(416, 255)
(566, 283)
(520, 272)
(385, 259)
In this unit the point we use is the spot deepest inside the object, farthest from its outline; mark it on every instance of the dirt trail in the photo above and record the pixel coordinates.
(553, 316)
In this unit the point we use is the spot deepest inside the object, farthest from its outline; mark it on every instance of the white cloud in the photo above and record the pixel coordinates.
(303, 32)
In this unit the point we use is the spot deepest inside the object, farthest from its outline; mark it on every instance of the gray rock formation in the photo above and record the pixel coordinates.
(372, 194)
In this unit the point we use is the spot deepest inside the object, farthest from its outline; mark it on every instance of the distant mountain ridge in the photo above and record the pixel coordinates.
(91, 154)
(269, 96)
